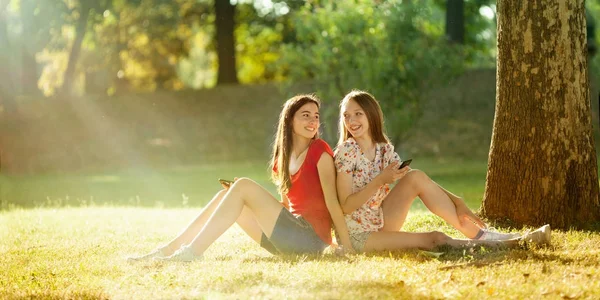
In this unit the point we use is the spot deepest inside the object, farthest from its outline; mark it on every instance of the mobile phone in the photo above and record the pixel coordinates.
(226, 182)
(405, 163)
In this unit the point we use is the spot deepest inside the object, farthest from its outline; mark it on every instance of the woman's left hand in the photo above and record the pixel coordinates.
(465, 214)
(226, 187)
(338, 250)
(342, 251)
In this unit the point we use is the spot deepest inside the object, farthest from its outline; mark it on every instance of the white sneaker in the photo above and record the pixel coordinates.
(159, 252)
(184, 253)
(541, 236)
(490, 234)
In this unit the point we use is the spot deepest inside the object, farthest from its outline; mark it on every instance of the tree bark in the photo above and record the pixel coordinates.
(225, 23)
(29, 72)
(7, 91)
(455, 21)
(80, 31)
(542, 163)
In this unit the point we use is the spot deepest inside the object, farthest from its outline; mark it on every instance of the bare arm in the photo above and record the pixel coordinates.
(326, 171)
(351, 202)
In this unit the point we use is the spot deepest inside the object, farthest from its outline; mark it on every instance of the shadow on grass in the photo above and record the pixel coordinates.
(251, 284)
(373, 289)
(591, 227)
(483, 256)
(56, 295)
(293, 258)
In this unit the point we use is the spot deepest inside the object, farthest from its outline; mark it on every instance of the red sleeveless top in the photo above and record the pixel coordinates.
(306, 196)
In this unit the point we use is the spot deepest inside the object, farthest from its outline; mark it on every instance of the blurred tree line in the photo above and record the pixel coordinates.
(59, 45)
(392, 48)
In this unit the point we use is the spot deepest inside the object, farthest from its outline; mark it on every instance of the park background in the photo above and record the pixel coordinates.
(114, 109)
(143, 90)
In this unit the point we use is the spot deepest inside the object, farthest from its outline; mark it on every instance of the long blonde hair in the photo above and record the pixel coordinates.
(282, 147)
(373, 112)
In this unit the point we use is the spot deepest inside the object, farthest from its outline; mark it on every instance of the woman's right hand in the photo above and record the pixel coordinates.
(391, 173)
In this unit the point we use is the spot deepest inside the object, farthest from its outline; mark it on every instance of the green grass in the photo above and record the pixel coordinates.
(57, 251)
(190, 186)
(175, 187)
(79, 253)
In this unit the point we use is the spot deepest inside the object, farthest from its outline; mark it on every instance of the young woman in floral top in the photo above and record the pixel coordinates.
(367, 165)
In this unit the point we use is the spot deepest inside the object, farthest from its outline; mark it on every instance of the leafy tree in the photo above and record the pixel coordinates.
(466, 25)
(81, 18)
(32, 22)
(131, 43)
(150, 44)
(392, 50)
(259, 34)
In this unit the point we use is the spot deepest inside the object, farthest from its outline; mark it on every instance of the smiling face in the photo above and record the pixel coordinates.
(306, 121)
(361, 117)
(299, 119)
(355, 120)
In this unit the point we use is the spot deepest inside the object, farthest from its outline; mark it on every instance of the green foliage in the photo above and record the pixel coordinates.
(134, 44)
(197, 70)
(259, 33)
(144, 45)
(392, 50)
(257, 51)
(142, 42)
(593, 11)
(480, 31)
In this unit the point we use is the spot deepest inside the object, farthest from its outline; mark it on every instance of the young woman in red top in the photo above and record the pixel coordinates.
(303, 170)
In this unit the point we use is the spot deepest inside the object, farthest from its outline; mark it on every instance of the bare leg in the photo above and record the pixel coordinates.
(397, 240)
(416, 183)
(243, 193)
(246, 221)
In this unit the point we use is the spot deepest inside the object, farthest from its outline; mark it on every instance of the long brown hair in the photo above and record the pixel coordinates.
(374, 114)
(282, 147)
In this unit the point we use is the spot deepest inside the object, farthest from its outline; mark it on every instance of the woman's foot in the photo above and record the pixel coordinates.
(541, 236)
(156, 253)
(490, 234)
(184, 253)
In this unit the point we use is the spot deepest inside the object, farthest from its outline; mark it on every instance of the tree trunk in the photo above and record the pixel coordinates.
(29, 72)
(225, 23)
(542, 163)
(80, 31)
(7, 91)
(455, 21)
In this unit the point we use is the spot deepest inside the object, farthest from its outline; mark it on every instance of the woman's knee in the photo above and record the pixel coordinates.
(242, 183)
(416, 177)
(436, 238)
(243, 186)
(220, 194)
(417, 174)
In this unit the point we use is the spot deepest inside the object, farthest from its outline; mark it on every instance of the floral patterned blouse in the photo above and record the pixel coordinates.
(350, 159)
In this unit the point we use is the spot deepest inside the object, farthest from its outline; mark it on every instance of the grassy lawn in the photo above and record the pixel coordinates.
(190, 186)
(78, 250)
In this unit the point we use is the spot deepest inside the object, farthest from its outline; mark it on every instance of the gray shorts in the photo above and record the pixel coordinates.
(292, 234)
(359, 240)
